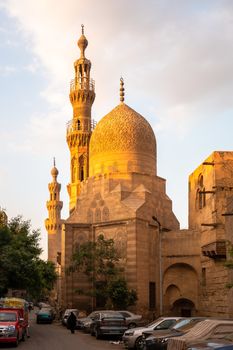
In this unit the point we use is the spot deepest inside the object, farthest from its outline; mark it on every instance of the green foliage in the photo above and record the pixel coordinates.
(96, 259)
(119, 294)
(20, 265)
(229, 262)
(99, 261)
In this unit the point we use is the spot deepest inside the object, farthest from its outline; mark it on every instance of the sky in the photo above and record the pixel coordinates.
(176, 58)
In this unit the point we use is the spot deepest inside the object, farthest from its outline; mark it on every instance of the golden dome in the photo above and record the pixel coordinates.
(123, 141)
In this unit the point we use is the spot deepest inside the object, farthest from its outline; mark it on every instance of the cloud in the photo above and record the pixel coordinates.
(177, 54)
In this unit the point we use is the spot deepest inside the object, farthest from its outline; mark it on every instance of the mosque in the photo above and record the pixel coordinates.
(115, 190)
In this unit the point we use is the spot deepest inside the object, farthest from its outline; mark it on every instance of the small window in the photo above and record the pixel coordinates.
(82, 174)
(152, 295)
(203, 276)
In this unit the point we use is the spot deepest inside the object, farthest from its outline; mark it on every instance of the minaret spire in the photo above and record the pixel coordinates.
(79, 129)
(122, 90)
(54, 221)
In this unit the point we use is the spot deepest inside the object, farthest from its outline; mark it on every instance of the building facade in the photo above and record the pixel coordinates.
(115, 190)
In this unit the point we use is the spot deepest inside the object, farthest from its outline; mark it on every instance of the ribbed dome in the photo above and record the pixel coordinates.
(123, 141)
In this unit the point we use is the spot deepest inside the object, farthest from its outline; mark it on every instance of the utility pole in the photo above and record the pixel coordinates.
(160, 267)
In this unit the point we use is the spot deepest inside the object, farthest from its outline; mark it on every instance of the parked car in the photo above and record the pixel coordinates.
(203, 330)
(85, 322)
(67, 314)
(41, 305)
(132, 320)
(132, 338)
(155, 340)
(44, 315)
(218, 344)
(108, 323)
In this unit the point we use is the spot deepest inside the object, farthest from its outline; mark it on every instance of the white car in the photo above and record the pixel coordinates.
(67, 314)
(132, 338)
(132, 320)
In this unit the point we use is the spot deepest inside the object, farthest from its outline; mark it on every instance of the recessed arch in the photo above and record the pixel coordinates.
(176, 287)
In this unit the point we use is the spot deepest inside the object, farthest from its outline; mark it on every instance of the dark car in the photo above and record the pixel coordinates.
(225, 343)
(84, 323)
(108, 323)
(158, 341)
(211, 344)
(44, 315)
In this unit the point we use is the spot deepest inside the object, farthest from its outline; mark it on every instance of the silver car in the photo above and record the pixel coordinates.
(132, 320)
(67, 314)
(132, 338)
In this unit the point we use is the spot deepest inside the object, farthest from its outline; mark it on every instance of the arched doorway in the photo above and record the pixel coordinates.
(183, 307)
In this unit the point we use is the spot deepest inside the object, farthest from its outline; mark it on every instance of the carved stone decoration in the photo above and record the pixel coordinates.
(121, 243)
(97, 215)
(105, 214)
(89, 216)
(123, 129)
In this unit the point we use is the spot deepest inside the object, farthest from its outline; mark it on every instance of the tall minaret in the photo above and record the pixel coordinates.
(82, 96)
(53, 222)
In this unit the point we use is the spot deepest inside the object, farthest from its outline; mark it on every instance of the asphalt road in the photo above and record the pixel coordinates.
(56, 337)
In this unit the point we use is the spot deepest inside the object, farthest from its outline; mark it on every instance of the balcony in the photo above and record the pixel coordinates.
(82, 84)
(80, 126)
(215, 250)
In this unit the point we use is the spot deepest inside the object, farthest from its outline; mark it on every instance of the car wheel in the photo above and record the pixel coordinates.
(138, 343)
(97, 334)
(92, 332)
(37, 321)
(23, 336)
(17, 341)
(132, 325)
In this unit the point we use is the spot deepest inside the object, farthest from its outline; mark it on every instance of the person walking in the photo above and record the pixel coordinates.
(71, 322)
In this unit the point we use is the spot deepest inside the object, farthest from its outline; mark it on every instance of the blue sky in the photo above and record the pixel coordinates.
(176, 59)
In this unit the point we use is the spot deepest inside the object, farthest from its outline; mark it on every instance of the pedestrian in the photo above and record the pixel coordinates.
(71, 322)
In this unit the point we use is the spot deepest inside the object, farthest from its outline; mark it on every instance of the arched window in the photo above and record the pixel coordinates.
(98, 215)
(79, 124)
(200, 196)
(81, 174)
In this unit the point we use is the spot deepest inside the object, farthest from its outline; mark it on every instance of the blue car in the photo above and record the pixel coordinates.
(44, 315)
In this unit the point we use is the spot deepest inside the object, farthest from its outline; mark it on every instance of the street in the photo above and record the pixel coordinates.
(56, 337)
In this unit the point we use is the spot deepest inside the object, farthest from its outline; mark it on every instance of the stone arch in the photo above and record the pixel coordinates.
(183, 307)
(185, 287)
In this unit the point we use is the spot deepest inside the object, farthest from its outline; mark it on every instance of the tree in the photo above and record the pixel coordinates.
(229, 262)
(119, 294)
(99, 261)
(20, 265)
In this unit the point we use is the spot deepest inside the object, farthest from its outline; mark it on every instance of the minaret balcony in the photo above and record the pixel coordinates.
(82, 84)
(75, 126)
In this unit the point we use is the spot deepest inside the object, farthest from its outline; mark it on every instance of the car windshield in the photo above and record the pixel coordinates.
(45, 311)
(153, 323)
(7, 317)
(185, 324)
